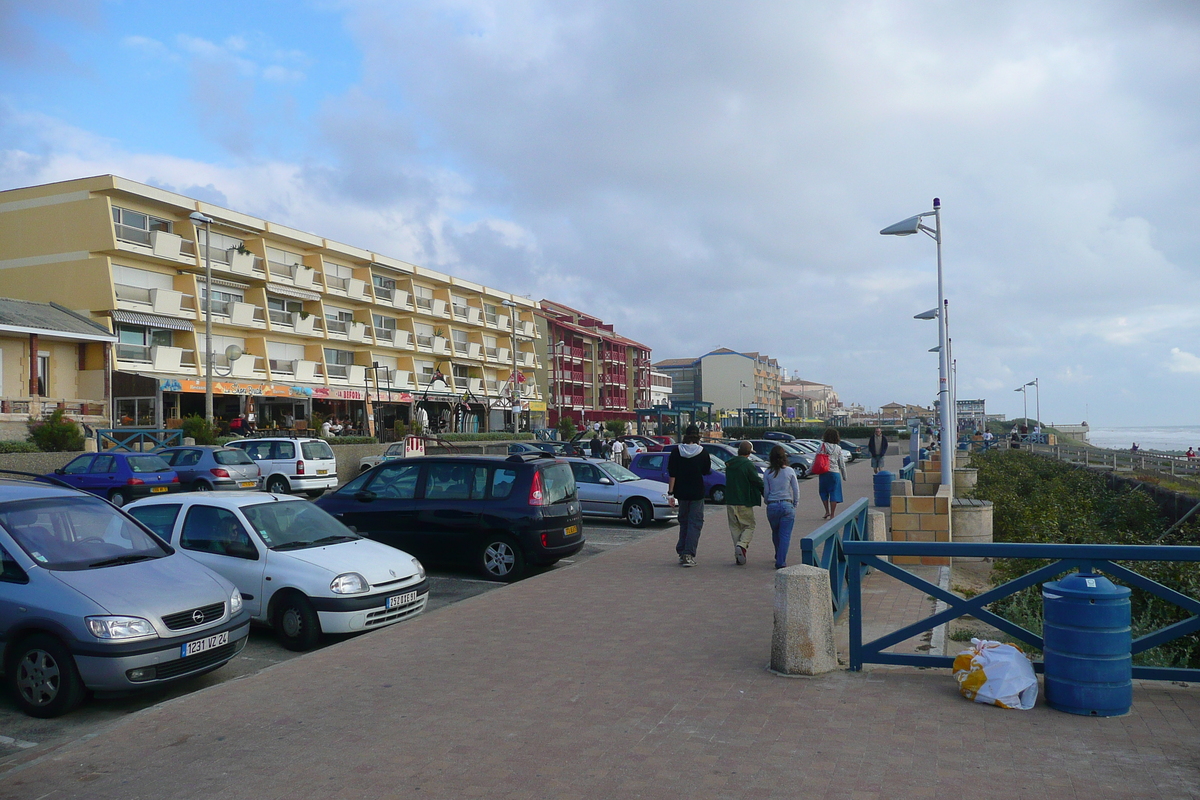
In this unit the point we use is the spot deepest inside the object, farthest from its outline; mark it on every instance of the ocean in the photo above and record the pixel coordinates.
(1152, 437)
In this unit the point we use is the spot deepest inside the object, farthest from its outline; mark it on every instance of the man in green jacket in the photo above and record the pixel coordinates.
(743, 491)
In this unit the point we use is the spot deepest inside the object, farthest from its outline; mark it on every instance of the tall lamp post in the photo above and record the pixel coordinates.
(1038, 397)
(1024, 403)
(199, 219)
(907, 228)
(742, 404)
(514, 389)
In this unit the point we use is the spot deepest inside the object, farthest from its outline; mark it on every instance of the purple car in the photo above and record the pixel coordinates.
(654, 467)
(120, 477)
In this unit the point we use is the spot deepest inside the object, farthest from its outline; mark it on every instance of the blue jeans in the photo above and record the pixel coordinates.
(691, 522)
(782, 516)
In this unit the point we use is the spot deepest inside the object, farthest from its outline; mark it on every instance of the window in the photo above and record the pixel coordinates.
(461, 342)
(585, 473)
(558, 483)
(461, 375)
(338, 320)
(424, 334)
(502, 483)
(385, 327)
(489, 313)
(456, 482)
(134, 226)
(280, 309)
(104, 464)
(281, 450)
(424, 372)
(653, 462)
(134, 285)
(395, 481)
(220, 344)
(43, 380)
(231, 457)
(160, 519)
(337, 276)
(460, 305)
(11, 572)
(60, 533)
(282, 356)
(78, 466)
(135, 342)
(315, 450)
(337, 362)
(141, 464)
(222, 299)
(385, 288)
(424, 297)
(216, 530)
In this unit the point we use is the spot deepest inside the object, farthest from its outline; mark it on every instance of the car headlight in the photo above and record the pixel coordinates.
(120, 627)
(349, 583)
(420, 569)
(235, 603)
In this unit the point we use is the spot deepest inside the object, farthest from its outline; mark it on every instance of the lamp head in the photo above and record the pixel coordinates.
(199, 218)
(937, 349)
(930, 314)
(904, 228)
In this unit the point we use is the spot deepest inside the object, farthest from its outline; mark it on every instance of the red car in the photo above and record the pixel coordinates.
(647, 443)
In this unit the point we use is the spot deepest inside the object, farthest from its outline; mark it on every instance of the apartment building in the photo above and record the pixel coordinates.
(301, 324)
(594, 373)
(745, 385)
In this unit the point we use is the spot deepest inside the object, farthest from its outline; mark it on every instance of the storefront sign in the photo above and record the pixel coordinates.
(536, 405)
(192, 385)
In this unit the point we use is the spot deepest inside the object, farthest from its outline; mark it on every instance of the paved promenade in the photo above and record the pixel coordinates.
(625, 676)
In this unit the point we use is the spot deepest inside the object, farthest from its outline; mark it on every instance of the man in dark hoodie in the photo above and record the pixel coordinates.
(687, 466)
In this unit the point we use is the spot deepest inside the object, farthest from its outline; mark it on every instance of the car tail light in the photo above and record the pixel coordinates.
(544, 541)
(299, 467)
(537, 496)
(134, 482)
(220, 473)
(174, 479)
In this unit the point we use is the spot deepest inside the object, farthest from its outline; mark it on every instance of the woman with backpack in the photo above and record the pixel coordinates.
(829, 466)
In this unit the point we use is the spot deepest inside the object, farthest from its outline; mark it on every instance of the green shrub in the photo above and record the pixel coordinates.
(353, 440)
(18, 447)
(198, 428)
(56, 434)
(566, 428)
(615, 427)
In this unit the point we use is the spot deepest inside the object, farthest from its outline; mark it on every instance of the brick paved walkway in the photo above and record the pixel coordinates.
(623, 676)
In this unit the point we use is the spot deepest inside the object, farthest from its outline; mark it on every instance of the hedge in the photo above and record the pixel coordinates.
(19, 447)
(856, 432)
(486, 437)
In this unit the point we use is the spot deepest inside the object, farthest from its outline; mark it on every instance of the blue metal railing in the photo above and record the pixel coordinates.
(907, 471)
(137, 439)
(1065, 557)
(824, 548)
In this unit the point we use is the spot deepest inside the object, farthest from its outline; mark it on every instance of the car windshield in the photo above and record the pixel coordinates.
(77, 533)
(316, 449)
(147, 464)
(295, 524)
(617, 472)
(232, 456)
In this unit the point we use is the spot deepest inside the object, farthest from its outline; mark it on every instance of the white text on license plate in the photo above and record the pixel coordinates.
(401, 599)
(200, 645)
(571, 530)
(248, 484)
(157, 489)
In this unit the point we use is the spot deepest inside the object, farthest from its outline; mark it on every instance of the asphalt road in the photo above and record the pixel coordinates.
(23, 738)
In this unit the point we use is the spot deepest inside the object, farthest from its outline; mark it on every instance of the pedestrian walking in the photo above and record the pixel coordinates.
(829, 483)
(878, 447)
(618, 452)
(782, 493)
(686, 467)
(596, 446)
(743, 493)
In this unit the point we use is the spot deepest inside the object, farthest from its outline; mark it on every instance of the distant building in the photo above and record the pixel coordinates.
(819, 400)
(660, 388)
(735, 383)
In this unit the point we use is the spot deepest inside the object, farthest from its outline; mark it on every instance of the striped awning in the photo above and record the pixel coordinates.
(288, 291)
(151, 320)
(228, 284)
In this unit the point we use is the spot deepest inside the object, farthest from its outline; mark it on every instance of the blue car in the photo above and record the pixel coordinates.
(653, 466)
(120, 477)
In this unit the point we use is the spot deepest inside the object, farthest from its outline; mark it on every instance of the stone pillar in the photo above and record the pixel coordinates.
(972, 521)
(902, 488)
(965, 480)
(803, 642)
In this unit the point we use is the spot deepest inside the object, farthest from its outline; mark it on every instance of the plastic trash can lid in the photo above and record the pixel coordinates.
(1086, 584)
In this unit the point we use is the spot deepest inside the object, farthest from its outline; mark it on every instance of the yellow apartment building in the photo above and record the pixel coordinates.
(301, 324)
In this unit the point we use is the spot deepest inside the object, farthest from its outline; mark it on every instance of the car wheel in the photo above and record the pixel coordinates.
(638, 513)
(315, 493)
(277, 484)
(801, 471)
(43, 677)
(201, 486)
(717, 494)
(295, 622)
(501, 560)
(118, 497)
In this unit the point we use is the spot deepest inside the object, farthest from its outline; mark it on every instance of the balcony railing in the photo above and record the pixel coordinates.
(460, 312)
(461, 347)
(384, 293)
(128, 234)
(425, 303)
(334, 282)
(424, 340)
(387, 335)
(337, 370)
(334, 325)
(133, 352)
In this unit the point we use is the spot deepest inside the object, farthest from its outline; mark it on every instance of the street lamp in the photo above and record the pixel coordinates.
(907, 228)
(558, 347)
(1037, 387)
(741, 404)
(512, 394)
(199, 219)
(1025, 403)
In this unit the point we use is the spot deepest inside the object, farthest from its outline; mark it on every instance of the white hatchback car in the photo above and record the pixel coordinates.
(292, 465)
(298, 569)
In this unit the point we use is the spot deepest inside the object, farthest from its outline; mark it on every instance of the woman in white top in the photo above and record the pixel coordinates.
(781, 490)
(829, 484)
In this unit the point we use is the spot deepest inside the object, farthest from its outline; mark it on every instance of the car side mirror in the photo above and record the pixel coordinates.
(364, 496)
(606, 481)
(59, 471)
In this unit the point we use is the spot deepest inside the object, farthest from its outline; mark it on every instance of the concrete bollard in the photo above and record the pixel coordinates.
(902, 488)
(188, 441)
(89, 445)
(803, 642)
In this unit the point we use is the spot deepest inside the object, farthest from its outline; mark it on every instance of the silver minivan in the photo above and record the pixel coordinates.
(92, 601)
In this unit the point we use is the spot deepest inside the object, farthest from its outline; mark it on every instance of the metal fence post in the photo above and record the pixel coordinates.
(854, 584)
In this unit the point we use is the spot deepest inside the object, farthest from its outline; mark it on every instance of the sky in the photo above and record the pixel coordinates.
(702, 174)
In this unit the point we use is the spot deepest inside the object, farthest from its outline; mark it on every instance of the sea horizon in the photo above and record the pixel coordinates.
(1166, 438)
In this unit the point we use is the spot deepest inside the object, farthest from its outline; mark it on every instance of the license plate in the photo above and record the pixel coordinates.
(157, 489)
(401, 599)
(322, 472)
(248, 484)
(571, 530)
(200, 645)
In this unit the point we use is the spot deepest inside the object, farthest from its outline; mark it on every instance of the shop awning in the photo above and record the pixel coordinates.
(288, 291)
(151, 320)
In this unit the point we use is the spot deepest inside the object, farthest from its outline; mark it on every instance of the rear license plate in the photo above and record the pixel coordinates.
(571, 530)
(322, 472)
(401, 600)
(248, 484)
(200, 645)
(157, 489)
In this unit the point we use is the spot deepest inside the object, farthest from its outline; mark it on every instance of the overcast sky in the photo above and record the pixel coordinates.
(702, 174)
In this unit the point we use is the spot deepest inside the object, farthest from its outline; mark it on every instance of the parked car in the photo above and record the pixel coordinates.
(299, 570)
(206, 468)
(120, 477)
(645, 443)
(394, 451)
(798, 460)
(292, 465)
(90, 601)
(653, 466)
(494, 513)
(552, 447)
(606, 489)
(778, 436)
(663, 440)
(807, 445)
(853, 451)
(720, 452)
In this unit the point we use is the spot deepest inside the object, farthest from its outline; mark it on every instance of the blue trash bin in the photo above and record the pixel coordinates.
(1089, 669)
(883, 488)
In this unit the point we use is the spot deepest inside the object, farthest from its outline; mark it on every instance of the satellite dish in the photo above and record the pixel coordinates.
(233, 352)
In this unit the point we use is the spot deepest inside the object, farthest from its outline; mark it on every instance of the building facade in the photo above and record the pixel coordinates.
(742, 385)
(593, 373)
(301, 325)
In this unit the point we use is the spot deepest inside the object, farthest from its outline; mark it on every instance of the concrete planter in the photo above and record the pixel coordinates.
(972, 522)
(964, 480)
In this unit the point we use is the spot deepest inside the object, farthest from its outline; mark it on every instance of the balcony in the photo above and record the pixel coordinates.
(161, 301)
(160, 358)
(349, 373)
(161, 244)
(475, 385)
(385, 336)
(424, 304)
(356, 289)
(243, 367)
(526, 328)
(384, 295)
(335, 284)
(337, 328)
(526, 359)
(402, 300)
(357, 332)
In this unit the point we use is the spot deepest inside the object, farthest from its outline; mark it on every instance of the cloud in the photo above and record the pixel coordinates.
(1182, 361)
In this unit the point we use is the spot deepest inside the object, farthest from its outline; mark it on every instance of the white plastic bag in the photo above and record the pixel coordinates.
(996, 674)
